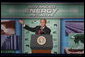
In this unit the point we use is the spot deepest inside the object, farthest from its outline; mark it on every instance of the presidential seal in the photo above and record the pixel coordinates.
(41, 40)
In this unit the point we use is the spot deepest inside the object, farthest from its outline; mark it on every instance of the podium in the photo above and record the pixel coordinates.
(41, 43)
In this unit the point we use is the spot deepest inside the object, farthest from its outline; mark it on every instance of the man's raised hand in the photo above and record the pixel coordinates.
(21, 22)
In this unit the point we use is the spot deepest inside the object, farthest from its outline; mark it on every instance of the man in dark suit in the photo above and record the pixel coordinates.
(42, 29)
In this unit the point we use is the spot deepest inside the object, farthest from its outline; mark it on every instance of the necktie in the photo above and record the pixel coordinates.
(40, 32)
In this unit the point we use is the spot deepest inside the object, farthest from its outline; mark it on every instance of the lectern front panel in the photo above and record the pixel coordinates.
(41, 42)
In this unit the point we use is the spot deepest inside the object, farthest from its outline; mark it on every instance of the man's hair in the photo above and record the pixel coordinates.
(44, 20)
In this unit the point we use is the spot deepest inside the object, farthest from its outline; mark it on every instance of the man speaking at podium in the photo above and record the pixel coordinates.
(42, 41)
(39, 30)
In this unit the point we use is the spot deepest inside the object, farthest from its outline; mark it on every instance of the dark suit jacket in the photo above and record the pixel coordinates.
(46, 30)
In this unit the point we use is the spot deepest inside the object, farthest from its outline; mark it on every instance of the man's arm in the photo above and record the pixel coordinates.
(47, 31)
(27, 27)
(30, 28)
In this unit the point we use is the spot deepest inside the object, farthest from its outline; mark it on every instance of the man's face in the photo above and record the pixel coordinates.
(42, 23)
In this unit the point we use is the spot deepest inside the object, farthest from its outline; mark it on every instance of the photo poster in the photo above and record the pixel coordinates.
(11, 41)
(66, 20)
(72, 34)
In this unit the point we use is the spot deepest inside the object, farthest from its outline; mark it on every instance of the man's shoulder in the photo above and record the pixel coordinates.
(47, 28)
